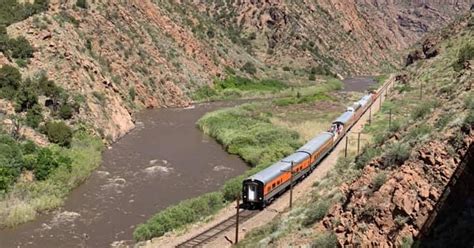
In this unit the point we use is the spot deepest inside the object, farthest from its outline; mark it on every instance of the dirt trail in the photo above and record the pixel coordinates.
(278, 206)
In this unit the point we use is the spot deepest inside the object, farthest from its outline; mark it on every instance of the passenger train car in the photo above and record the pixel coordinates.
(261, 188)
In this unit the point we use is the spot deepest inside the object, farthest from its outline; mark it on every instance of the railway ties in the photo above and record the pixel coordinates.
(210, 234)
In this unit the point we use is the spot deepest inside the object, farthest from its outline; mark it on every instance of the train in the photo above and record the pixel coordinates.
(262, 188)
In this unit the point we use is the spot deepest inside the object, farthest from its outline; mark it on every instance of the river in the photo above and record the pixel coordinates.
(164, 160)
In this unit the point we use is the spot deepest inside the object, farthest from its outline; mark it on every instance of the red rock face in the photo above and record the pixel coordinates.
(402, 205)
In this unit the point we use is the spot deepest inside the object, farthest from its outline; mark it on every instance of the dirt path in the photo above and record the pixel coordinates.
(278, 206)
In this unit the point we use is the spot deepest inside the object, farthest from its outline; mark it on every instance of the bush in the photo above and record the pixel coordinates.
(27, 96)
(20, 48)
(366, 155)
(379, 180)
(11, 162)
(82, 4)
(66, 112)
(396, 154)
(10, 80)
(249, 67)
(59, 133)
(325, 240)
(48, 87)
(465, 54)
(47, 161)
(34, 116)
(179, 215)
(316, 213)
(312, 77)
(132, 93)
(421, 110)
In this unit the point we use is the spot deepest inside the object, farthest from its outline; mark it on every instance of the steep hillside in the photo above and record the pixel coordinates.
(421, 141)
(122, 56)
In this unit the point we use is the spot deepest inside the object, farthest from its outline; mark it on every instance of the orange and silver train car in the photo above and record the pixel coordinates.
(261, 188)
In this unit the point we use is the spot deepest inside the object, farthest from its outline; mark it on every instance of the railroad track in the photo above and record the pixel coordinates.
(209, 235)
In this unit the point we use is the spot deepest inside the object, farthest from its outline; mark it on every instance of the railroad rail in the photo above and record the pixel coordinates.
(212, 233)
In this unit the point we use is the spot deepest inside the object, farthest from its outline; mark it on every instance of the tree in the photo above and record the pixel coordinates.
(59, 133)
(10, 79)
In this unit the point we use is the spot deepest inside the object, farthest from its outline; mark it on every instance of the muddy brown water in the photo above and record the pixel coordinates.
(166, 159)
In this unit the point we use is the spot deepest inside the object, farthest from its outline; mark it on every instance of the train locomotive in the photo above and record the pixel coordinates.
(263, 187)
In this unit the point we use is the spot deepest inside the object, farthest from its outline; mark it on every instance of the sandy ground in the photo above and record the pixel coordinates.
(278, 206)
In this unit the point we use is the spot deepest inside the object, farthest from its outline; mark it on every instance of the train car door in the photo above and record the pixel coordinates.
(252, 192)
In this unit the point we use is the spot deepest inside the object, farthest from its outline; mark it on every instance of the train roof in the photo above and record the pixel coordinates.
(344, 118)
(296, 157)
(268, 174)
(313, 145)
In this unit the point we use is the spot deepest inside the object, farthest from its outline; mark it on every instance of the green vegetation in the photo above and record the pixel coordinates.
(20, 48)
(25, 95)
(58, 132)
(316, 213)
(249, 68)
(465, 54)
(34, 116)
(12, 11)
(236, 86)
(177, 216)
(10, 80)
(57, 170)
(379, 180)
(325, 240)
(82, 4)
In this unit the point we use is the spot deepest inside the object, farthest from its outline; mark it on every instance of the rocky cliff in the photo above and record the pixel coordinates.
(121, 56)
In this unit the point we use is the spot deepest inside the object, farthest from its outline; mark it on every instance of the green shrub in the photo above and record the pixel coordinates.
(396, 154)
(366, 156)
(27, 96)
(379, 180)
(12, 11)
(82, 4)
(66, 112)
(204, 92)
(312, 77)
(20, 48)
(407, 242)
(47, 161)
(48, 87)
(10, 80)
(249, 68)
(34, 116)
(23, 63)
(421, 110)
(325, 240)
(58, 132)
(179, 215)
(132, 93)
(465, 54)
(316, 213)
(11, 162)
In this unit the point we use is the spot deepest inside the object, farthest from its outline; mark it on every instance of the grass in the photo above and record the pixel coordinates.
(26, 199)
(234, 87)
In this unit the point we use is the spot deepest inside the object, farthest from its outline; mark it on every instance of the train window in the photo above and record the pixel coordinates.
(273, 185)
